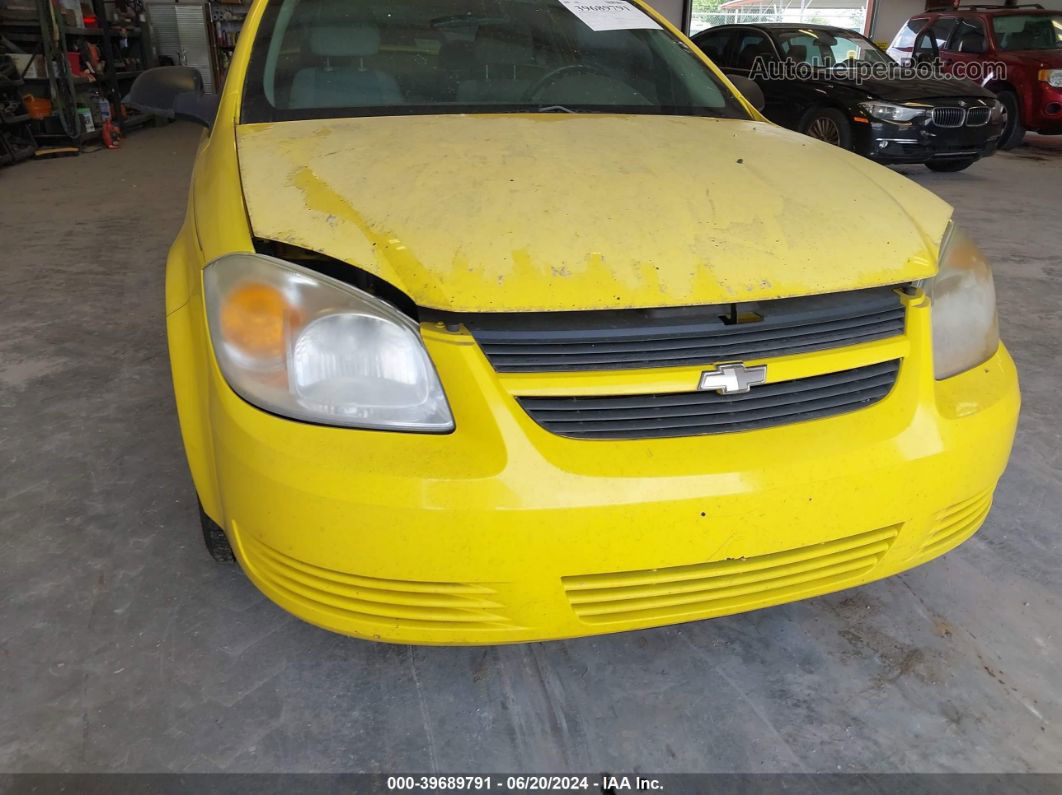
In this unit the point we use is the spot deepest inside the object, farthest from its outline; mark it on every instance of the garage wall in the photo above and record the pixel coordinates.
(674, 10)
(889, 16)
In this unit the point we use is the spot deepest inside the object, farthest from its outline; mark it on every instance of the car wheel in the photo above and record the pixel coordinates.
(829, 125)
(217, 543)
(951, 165)
(1013, 133)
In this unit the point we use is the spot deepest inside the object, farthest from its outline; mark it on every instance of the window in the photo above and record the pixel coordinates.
(941, 30)
(799, 47)
(828, 48)
(1028, 31)
(752, 45)
(925, 47)
(906, 37)
(713, 43)
(329, 58)
(969, 36)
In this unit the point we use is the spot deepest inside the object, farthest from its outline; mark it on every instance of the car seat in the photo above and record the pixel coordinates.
(343, 80)
(500, 51)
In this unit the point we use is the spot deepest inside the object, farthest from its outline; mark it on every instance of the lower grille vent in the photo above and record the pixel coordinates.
(440, 605)
(726, 585)
(955, 524)
(696, 413)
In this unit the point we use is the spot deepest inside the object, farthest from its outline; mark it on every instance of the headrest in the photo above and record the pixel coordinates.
(797, 52)
(972, 41)
(751, 51)
(503, 44)
(1021, 40)
(336, 40)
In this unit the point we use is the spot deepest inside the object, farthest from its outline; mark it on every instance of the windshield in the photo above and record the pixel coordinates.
(828, 48)
(329, 58)
(1028, 31)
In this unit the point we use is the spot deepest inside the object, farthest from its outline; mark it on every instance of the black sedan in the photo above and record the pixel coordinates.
(836, 85)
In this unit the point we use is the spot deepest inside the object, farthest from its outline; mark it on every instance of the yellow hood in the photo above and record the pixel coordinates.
(509, 213)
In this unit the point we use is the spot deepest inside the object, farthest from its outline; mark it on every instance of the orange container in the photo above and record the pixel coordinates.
(37, 107)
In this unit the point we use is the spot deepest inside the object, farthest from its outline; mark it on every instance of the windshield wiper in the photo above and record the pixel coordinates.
(556, 109)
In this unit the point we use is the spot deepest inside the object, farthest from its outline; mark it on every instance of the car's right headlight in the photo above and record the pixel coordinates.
(1053, 77)
(306, 346)
(963, 296)
(890, 111)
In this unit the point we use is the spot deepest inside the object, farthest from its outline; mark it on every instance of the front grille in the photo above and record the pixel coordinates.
(956, 524)
(644, 338)
(949, 117)
(978, 117)
(727, 585)
(695, 413)
(439, 605)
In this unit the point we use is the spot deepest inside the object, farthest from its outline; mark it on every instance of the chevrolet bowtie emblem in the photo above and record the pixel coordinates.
(729, 379)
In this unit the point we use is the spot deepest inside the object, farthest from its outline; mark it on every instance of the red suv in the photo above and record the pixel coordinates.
(1014, 51)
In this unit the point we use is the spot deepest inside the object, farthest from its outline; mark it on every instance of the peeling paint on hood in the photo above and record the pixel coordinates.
(556, 212)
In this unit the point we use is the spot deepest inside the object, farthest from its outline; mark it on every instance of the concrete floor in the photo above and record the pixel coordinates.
(124, 648)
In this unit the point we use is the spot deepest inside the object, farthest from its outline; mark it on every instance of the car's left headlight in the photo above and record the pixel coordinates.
(306, 346)
(889, 111)
(1053, 77)
(998, 108)
(963, 296)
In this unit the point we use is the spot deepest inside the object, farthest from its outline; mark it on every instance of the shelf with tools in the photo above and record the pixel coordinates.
(74, 61)
(228, 19)
(16, 135)
(19, 29)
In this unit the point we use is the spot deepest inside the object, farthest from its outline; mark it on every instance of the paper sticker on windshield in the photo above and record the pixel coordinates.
(610, 15)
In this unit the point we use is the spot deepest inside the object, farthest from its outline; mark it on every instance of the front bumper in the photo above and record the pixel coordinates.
(918, 142)
(1046, 111)
(503, 532)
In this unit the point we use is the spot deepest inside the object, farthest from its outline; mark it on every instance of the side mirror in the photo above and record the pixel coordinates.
(925, 56)
(750, 89)
(173, 92)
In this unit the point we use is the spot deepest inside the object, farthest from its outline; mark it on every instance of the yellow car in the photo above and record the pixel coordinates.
(509, 320)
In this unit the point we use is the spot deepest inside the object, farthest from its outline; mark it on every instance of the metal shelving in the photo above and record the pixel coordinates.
(51, 38)
(16, 136)
(227, 18)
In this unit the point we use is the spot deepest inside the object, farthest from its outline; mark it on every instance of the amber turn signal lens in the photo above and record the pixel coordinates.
(299, 344)
(253, 317)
